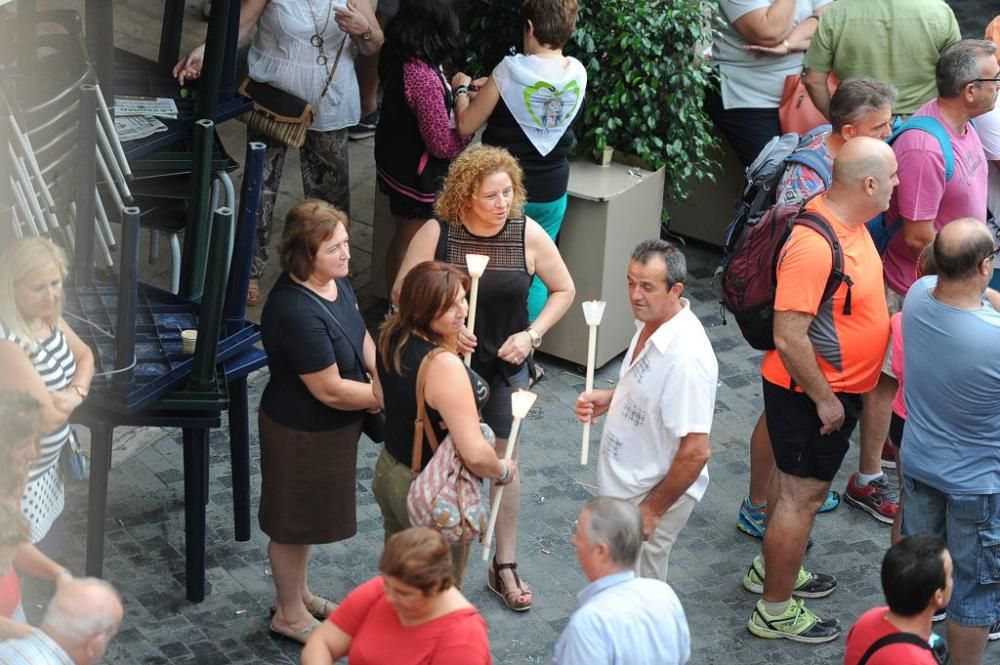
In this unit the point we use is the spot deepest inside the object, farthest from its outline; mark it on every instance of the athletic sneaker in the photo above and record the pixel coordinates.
(797, 623)
(364, 128)
(877, 498)
(831, 502)
(752, 519)
(888, 456)
(807, 585)
(995, 632)
(940, 615)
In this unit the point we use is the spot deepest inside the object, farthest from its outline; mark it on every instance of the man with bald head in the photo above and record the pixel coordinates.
(828, 353)
(951, 467)
(79, 623)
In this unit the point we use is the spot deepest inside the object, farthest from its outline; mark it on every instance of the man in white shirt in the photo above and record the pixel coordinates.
(654, 448)
(620, 618)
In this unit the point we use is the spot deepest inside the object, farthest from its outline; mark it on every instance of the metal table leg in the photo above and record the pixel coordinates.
(195, 491)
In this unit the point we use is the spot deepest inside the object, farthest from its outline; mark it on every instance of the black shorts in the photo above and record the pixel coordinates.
(896, 427)
(799, 449)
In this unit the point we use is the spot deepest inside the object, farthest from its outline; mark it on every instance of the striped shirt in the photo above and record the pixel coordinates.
(55, 364)
(44, 497)
(38, 649)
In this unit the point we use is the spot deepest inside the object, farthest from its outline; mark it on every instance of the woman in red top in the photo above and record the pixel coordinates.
(410, 615)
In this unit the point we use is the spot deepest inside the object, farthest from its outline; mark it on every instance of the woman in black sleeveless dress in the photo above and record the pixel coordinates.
(480, 212)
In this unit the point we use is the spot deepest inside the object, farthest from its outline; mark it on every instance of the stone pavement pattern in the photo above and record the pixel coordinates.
(145, 541)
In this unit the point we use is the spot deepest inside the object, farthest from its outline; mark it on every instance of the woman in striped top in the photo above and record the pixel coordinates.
(41, 355)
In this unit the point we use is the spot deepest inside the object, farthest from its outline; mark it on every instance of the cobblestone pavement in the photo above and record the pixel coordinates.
(145, 540)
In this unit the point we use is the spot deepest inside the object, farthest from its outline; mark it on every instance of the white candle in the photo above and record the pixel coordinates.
(520, 404)
(593, 312)
(476, 263)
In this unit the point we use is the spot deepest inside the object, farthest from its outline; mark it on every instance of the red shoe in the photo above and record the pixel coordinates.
(876, 498)
(888, 456)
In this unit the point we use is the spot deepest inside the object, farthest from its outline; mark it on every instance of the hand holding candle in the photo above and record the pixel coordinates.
(593, 312)
(476, 264)
(520, 403)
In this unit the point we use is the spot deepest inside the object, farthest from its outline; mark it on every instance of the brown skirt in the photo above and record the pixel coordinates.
(308, 481)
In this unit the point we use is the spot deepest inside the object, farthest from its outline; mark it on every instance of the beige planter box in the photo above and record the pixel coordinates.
(611, 209)
(706, 213)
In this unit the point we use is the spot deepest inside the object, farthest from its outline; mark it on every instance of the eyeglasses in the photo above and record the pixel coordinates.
(992, 255)
(995, 81)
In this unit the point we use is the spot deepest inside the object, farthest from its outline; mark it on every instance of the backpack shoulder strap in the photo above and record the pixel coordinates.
(420, 424)
(815, 161)
(893, 638)
(819, 224)
(932, 126)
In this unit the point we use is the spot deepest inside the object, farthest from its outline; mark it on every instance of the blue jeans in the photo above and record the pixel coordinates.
(970, 524)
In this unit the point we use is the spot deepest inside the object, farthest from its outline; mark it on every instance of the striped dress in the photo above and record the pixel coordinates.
(44, 497)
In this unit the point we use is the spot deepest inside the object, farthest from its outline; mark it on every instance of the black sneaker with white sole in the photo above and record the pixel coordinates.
(365, 127)
(995, 632)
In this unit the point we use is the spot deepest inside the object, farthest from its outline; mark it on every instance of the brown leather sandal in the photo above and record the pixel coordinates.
(512, 597)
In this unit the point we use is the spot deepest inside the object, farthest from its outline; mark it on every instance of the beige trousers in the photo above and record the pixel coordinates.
(655, 554)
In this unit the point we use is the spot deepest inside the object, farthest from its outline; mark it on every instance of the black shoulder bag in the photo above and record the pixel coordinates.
(894, 638)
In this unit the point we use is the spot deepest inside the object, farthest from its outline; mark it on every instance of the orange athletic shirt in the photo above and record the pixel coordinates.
(849, 348)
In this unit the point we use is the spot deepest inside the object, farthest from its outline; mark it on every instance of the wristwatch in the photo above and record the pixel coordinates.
(367, 34)
(536, 338)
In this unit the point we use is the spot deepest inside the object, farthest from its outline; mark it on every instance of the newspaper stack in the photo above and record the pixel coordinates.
(139, 117)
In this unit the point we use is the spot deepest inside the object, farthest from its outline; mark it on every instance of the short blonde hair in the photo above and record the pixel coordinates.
(19, 258)
(307, 226)
(467, 173)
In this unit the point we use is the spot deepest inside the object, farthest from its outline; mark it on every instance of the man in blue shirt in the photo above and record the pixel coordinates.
(951, 444)
(620, 618)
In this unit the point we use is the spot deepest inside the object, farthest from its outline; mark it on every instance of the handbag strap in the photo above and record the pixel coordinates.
(358, 355)
(329, 76)
(420, 424)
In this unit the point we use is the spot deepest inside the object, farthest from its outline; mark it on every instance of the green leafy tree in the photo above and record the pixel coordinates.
(646, 76)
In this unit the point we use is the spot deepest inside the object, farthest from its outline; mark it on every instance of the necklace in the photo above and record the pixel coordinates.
(317, 38)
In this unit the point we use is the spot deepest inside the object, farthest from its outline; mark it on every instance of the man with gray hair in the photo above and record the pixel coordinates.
(620, 618)
(655, 448)
(951, 479)
(929, 195)
(79, 623)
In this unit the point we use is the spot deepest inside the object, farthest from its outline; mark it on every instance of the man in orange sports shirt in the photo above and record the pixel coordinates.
(827, 355)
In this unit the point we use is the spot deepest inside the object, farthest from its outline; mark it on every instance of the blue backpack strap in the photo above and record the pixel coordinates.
(932, 126)
(815, 161)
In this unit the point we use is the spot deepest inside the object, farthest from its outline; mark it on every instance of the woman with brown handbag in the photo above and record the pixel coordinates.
(432, 311)
(302, 55)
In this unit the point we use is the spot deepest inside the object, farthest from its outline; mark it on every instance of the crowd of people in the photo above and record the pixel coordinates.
(839, 361)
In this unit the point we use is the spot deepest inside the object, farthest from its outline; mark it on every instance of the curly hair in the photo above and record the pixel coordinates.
(467, 173)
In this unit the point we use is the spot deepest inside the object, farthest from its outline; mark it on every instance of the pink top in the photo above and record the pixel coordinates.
(423, 87)
(896, 326)
(922, 192)
(457, 638)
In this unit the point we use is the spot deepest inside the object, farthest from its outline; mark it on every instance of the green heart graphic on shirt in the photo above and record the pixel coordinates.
(549, 107)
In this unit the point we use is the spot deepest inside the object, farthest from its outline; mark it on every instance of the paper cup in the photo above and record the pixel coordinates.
(189, 338)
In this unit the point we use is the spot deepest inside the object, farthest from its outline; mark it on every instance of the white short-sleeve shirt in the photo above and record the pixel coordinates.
(666, 394)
